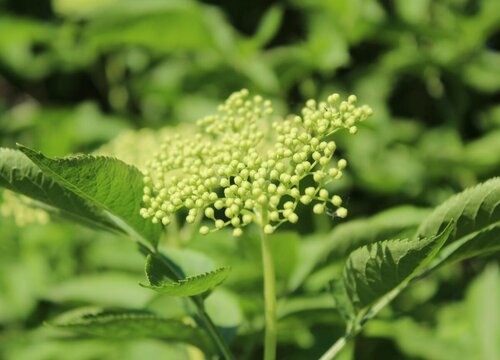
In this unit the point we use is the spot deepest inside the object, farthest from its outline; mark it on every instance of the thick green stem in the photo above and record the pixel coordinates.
(269, 298)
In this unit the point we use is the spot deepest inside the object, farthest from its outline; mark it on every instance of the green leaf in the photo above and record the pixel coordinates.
(395, 222)
(477, 214)
(160, 269)
(473, 210)
(374, 270)
(127, 324)
(19, 174)
(189, 286)
(107, 183)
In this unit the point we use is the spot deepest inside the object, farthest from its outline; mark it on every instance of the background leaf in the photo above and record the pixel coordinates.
(128, 325)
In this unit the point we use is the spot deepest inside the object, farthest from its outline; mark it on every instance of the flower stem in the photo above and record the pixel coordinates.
(335, 348)
(198, 302)
(269, 298)
(212, 330)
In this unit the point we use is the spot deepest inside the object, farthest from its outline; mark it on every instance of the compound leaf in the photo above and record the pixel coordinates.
(396, 222)
(472, 209)
(107, 183)
(374, 270)
(19, 174)
(477, 214)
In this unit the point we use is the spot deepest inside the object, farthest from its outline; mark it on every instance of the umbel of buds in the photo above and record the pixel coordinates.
(236, 169)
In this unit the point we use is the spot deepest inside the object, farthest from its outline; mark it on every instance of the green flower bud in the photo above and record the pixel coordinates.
(237, 232)
(341, 212)
(319, 209)
(204, 230)
(268, 229)
(336, 200)
(305, 199)
(310, 191)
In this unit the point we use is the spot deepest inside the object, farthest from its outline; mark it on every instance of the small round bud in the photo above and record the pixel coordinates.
(336, 200)
(288, 205)
(333, 172)
(219, 204)
(342, 163)
(341, 212)
(165, 220)
(247, 219)
(293, 217)
(319, 209)
(204, 230)
(332, 99)
(323, 194)
(219, 224)
(209, 213)
(318, 176)
(310, 191)
(305, 199)
(237, 232)
(268, 229)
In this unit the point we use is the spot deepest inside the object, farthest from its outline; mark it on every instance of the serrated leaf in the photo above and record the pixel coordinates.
(128, 324)
(107, 183)
(393, 222)
(473, 210)
(399, 221)
(19, 174)
(160, 269)
(191, 285)
(374, 270)
(477, 214)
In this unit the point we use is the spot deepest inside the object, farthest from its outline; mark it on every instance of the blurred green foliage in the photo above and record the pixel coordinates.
(74, 74)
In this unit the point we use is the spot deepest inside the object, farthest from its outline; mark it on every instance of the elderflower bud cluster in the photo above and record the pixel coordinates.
(235, 170)
(134, 147)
